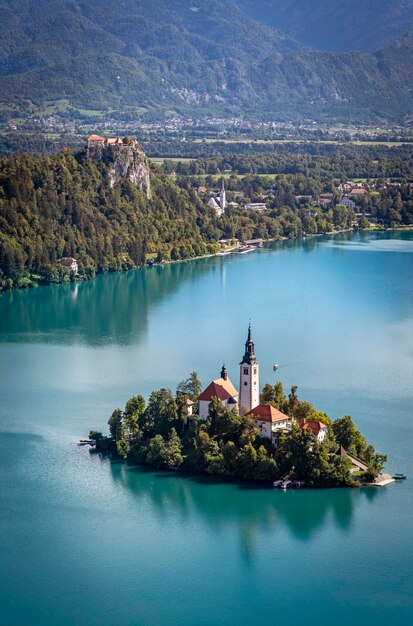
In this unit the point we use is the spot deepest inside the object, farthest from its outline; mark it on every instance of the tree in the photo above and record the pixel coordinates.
(293, 402)
(95, 435)
(348, 436)
(132, 415)
(156, 454)
(222, 422)
(266, 469)
(173, 451)
(246, 461)
(161, 414)
(115, 424)
(190, 387)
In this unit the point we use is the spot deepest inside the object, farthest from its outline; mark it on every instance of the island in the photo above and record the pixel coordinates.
(264, 437)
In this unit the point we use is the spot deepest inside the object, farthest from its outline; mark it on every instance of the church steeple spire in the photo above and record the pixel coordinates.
(224, 373)
(249, 356)
(223, 197)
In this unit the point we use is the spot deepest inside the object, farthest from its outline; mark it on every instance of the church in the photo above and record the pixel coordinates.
(268, 420)
(219, 203)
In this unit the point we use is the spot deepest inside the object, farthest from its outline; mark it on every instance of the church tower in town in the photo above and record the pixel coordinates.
(223, 197)
(249, 387)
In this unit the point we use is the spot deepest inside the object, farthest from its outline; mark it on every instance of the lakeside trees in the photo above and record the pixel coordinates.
(64, 205)
(229, 444)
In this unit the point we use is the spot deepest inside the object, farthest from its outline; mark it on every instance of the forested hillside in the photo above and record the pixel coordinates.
(201, 58)
(336, 25)
(65, 206)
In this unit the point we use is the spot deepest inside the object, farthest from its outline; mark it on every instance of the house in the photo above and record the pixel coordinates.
(347, 202)
(69, 263)
(256, 243)
(318, 429)
(255, 206)
(269, 420)
(221, 388)
(190, 407)
(358, 191)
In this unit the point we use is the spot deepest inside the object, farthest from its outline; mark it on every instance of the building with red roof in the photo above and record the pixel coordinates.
(269, 420)
(318, 429)
(221, 388)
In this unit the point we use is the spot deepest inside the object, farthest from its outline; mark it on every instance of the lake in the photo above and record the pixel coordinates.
(87, 541)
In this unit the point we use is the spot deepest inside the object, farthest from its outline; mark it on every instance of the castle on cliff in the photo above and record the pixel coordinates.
(125, 158)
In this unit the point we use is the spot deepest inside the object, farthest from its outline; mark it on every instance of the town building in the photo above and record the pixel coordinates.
(348, 202)
(255, 206)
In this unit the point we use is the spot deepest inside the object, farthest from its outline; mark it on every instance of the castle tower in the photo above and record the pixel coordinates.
(223, 197)
(249, 386)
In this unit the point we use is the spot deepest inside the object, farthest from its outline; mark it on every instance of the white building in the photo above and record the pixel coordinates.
(69, 263)
(219, 203)
(221, 388)
(255, 206)
(270, 421)
(249, 387)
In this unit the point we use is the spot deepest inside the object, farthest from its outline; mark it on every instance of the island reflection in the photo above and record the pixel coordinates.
(252, 508)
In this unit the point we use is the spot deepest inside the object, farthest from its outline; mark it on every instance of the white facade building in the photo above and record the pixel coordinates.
(249, 387)
(270, 421)
(221, 388)
(318, 429)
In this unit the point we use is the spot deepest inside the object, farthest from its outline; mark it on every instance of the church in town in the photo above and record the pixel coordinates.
(268, 419)
(219, 203)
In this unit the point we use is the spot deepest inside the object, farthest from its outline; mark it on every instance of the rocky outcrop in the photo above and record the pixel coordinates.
(125, 159)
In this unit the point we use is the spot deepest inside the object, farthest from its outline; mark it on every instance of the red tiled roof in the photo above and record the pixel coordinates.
(358, 191)
(219, 388)
(267, 413)
(313, 425)
(95, 138)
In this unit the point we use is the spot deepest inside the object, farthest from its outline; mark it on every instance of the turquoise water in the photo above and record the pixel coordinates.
(84, 541)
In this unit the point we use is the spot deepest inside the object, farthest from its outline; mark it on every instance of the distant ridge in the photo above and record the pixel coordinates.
(191, 58)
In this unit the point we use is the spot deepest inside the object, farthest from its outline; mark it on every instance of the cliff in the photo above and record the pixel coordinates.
(125, 160)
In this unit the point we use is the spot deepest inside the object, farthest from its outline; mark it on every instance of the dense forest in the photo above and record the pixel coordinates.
(63, 205)
(161, 434)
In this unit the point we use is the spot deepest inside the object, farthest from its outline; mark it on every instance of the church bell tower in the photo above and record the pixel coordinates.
(223, 197)
(249, 387)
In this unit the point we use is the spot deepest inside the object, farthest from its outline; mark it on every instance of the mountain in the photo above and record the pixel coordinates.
(336, 25)
(194, 58)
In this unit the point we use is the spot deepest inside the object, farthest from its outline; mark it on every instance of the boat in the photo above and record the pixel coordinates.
(277, 483)
(245, 250)
(286, 484)
(86, 442)
(399, 477)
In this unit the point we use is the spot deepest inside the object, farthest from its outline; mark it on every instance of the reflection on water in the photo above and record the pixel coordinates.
(112, 309)
(251, 508)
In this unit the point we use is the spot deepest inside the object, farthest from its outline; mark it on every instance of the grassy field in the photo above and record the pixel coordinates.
(160, 160)
(325, 141)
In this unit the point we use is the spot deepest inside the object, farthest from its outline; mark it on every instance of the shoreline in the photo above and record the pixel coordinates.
(147, 265)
